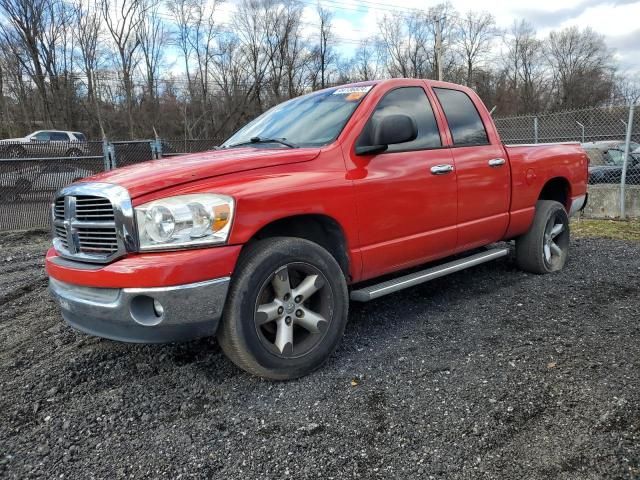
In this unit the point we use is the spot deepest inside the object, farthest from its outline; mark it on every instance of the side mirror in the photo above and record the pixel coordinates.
(390, 130)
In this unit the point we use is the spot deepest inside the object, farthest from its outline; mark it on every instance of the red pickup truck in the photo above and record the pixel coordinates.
(264, 240)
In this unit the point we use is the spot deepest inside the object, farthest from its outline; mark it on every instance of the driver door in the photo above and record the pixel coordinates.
(406, 196)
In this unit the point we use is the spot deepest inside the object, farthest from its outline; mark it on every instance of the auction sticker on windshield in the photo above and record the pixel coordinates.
(348, 90)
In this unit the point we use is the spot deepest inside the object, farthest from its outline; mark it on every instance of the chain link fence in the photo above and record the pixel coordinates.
(181, 146)
(611, 139)
(30, 173)
(601, 131)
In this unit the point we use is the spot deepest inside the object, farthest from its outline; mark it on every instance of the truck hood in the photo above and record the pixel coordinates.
(15, 140)
(154, 175)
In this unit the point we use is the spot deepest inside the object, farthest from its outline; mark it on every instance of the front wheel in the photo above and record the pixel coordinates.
(286, 310)
(16, 151)
(544, 248)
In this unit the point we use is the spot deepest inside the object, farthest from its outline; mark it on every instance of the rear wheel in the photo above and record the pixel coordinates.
(286, 310)
(544, 248)
(73, 152)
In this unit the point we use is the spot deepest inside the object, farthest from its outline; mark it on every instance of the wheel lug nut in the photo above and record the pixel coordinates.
(280, 310)
(299, 313)
(298, 299)
(287, 320)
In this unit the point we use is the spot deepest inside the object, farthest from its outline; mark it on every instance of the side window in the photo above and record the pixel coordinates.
(59, 137)
(616, 156)
(463, 118)
(42, 136)
(410, 101)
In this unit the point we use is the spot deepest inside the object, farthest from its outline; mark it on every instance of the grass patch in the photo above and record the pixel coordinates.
(616, 229)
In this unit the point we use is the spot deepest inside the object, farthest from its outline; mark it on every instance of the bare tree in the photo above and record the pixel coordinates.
(324, 51)
(87, 35)
(403, 40)
(152, 35)
(22, 32)
(181, 12)
(365, 62)
(122, 19)
(582, 68)
(441, 22)
(77, 62)
(525, 69)
(476, 32)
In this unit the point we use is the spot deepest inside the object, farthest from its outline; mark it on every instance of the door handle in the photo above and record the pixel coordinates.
(441, 169)
(497, 162)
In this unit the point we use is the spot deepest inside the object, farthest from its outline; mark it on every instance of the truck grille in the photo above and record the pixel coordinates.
(87, 227)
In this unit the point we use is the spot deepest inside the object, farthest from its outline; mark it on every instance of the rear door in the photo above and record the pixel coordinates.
(483, 173)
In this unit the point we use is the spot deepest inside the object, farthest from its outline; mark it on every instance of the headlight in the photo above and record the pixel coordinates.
(184, 221)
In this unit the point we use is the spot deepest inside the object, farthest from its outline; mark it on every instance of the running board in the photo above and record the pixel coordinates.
(406, 281)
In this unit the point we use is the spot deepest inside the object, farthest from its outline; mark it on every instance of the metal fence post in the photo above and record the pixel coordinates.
(623, 177)
(535, 129)
(582, 127)
(105, 154)
(156, 149)
(112, 155)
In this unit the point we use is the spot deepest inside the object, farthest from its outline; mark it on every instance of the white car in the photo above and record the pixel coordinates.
(54, 143)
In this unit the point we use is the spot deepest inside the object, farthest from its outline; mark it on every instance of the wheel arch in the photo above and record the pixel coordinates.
(558, 189)
(318, 228)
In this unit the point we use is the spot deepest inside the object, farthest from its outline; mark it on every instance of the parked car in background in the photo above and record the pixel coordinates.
(606, 159)
(40, 177)
(54, 143)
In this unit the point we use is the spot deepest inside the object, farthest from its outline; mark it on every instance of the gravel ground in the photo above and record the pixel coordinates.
(491, 373)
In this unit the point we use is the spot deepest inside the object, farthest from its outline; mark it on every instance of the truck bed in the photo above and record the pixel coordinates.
(532, 166)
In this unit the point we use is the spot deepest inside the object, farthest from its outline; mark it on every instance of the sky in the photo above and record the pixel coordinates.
(617, 20)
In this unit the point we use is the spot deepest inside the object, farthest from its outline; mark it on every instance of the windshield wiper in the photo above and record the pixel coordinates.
(281, 141)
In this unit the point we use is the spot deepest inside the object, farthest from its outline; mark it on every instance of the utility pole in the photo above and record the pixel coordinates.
(439, 47)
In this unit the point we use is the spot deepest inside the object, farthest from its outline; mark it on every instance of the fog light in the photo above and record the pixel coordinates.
(158, 309)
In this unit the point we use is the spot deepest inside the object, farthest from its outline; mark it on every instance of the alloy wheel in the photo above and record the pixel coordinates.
(555, 240)
(293, 310)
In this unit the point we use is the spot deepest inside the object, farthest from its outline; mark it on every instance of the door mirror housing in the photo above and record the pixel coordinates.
(390, 130)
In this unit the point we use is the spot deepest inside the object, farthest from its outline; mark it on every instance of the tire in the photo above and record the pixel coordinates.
(16, 151)
(545, 247)
(73, 152)
(8, 195)
(258, 317)
(22, 185)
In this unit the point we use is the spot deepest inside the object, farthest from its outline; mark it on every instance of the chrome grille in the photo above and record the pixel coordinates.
(90, 209)
(93, 222)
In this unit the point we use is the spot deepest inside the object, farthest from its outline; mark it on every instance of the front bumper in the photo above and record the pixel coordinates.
(128, 314)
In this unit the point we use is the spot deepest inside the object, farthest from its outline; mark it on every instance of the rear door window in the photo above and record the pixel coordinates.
(59, 137)
(410, 101)
(463, 118)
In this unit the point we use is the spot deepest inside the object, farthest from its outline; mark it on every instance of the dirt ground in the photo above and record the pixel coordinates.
(489, 373)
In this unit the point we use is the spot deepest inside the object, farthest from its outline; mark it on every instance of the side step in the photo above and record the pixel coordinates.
(406, 281)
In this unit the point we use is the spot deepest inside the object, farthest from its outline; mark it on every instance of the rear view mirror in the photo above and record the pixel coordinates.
(390, 130)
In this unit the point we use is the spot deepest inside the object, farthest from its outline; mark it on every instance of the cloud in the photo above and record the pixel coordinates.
(627, 48)
(546, 17)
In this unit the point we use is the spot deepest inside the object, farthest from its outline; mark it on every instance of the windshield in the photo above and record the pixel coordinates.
(312, 120)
